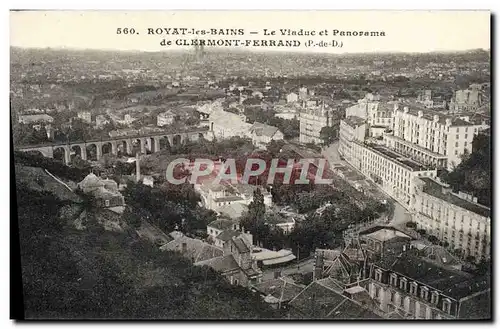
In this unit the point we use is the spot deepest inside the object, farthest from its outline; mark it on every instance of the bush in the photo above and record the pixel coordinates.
(422, 232)
(411, 225)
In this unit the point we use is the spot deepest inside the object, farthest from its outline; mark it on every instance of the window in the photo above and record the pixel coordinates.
(378, 275)
(435, 297)
(402, 284)
(424, 293)
(413, 288)
(106, 202)
(447, 306)
(394, 280)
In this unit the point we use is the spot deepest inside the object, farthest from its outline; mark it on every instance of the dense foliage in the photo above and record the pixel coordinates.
(473, 174)
(97, 274)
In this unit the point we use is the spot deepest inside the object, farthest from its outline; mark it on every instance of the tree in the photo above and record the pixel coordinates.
(411, 225)
(328, 135)
(131, 218)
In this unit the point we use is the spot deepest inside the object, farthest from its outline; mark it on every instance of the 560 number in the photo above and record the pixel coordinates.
(125, 30)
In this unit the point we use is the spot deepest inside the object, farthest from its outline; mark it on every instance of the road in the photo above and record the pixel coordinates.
(302, 267)
(400, 217)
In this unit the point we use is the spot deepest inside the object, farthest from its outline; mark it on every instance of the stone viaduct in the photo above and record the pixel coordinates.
(153, 142)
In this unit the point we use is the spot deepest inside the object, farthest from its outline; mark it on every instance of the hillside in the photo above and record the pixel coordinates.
(97, 274)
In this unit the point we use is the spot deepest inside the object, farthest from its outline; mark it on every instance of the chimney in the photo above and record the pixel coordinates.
(137, 168)
(436, 118)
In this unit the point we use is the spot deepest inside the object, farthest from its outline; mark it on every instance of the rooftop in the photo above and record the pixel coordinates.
(429, 114)
(411, 164)
(318, 301)
(453, 283)
(354, 121)
(386, 234)
(220, 264)
(435, 189)
(194, 249)
(221, 224)
(228, 235)
(262, 129)
(233, 210)
(281, 289)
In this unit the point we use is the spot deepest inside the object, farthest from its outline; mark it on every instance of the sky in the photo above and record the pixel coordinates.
(405, 31)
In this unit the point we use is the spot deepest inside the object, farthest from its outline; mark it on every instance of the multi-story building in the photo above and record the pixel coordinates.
(100, 121)
(35, 119)
(378, 115)
(431, 137)
(165, 119)
(351, 128)
(455, 219)
(415, 287)
(466, 100)
(313, 119)
(85, 116)
(262, 134)
(393, 172)
(225, 124)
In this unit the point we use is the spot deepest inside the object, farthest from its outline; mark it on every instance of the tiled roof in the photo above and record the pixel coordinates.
(318, 301)
(195, 249)
(220, 264)
(436, 190)
(279, 288)
(453, 283)
(227, 235)
(221, 224)
(262, 129)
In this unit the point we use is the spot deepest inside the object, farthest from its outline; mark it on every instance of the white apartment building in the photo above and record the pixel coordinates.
(216, 196)
(431, 137)
(312, 120)
(393, 172)
(453, 218)
(165, 119)
(225, 124)
(351, 129)
(378, 115)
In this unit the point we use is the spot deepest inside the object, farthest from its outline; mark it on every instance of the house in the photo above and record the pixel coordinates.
(233, 211)
(345, 265)
(193, 249)
(324, 299)
(216, 196)
(35, 118)
(85, 116)
(292, 98)
(262, 134)
(421, 289)
(225, 124)
(236, 263)
(381, 241)
(165, 119)
(278, 292)
(104, 191)
(220, 225)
